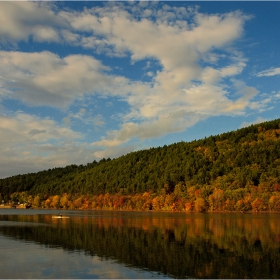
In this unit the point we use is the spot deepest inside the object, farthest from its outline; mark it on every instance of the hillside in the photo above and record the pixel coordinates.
(217, 172)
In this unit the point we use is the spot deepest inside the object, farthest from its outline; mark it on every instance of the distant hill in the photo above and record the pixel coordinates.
(237, 163)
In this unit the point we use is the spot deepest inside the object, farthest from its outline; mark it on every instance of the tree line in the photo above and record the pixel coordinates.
(233, 171)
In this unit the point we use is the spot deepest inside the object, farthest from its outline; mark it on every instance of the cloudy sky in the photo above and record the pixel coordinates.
(80, 81)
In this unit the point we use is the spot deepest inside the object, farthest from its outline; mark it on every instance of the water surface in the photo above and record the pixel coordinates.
(108, 244)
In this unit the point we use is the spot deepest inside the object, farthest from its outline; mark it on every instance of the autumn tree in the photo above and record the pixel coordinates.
(200, 205)
(36, 201)
(55, 201)
(64, 200)
(216, 199)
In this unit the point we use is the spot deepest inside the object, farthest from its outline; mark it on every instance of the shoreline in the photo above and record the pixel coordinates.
(11, 207)
(155, 211)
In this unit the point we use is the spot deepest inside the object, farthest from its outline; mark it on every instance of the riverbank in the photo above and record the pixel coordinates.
(12, 206)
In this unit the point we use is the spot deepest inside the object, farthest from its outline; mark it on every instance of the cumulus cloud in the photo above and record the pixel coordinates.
(46, 79)
(165, 105)
(29, 143)
(173, 122)
(32, 129)
(20, 20)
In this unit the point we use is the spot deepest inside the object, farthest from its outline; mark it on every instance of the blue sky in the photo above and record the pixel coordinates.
(80, 81)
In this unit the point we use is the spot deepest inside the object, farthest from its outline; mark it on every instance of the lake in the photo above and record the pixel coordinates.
(111, 244)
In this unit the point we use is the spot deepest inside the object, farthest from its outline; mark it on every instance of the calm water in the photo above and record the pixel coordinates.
(107, 244)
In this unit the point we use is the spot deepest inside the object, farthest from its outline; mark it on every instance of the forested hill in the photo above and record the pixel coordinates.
(237, 163)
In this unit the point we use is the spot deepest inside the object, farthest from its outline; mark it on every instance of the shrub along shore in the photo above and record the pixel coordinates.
(217, 201)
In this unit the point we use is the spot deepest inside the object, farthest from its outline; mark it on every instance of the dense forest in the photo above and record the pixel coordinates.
(233, 171)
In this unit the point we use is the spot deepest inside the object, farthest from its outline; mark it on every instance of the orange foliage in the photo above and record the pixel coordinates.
(197, 193)
(229, 205)
(259, 205)
(244, 204)
(277, 187)
(189, 206)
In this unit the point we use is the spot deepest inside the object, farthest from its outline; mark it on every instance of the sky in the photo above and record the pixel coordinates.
(82, 81)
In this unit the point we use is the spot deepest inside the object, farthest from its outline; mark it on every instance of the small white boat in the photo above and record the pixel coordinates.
(60, 217)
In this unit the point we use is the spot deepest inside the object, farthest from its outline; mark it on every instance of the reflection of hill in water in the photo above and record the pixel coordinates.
(205, 247)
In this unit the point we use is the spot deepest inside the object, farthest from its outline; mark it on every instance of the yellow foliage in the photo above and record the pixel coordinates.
(274, 203)
(36, 201)
(64, 201)
(55, 201)
(200, 205)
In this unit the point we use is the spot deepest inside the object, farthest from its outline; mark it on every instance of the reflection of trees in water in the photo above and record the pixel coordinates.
(196, 247)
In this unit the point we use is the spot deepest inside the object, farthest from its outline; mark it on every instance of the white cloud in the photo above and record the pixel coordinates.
(45, 34)
(115, 29)
(270, 72)
(182, 90)
(173, 122)
(19, 20)
(32, 129)
(29, 143)
(46, 79)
